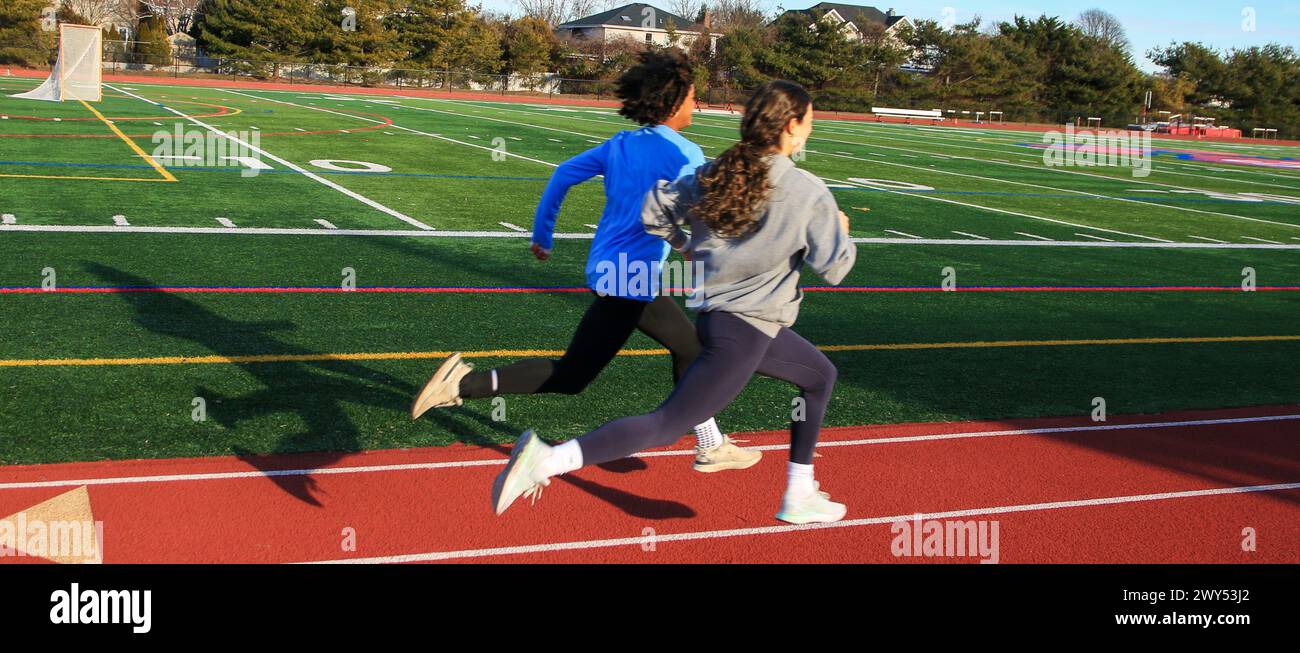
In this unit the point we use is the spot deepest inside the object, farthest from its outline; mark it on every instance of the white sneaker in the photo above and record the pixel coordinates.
(725, 456)
(443, 388)
(815, 508)
(521, 475)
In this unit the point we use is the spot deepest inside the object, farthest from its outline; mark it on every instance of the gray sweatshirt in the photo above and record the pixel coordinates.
(756, 276)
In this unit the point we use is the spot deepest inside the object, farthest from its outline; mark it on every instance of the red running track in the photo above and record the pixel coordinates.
(1137, 489)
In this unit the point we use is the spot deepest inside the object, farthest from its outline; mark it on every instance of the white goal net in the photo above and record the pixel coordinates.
(77, 72)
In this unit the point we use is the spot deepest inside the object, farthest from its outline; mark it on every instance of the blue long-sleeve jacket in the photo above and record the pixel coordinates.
(633, 162)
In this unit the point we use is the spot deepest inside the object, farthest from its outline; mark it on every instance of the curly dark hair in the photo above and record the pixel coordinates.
(735, 186)
(655, 87)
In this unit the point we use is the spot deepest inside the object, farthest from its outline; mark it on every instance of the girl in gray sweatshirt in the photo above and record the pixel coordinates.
(750, 220)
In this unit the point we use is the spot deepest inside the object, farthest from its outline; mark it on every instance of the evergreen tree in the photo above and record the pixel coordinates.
(151, 45)
(529, 46)
(23, 41)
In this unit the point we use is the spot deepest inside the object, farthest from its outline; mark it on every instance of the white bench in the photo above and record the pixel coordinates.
(933, 114)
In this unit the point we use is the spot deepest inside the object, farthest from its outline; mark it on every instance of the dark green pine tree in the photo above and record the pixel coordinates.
(22, 39)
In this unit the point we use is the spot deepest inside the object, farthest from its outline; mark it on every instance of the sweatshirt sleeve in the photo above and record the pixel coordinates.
(831, 252)
(663, 214)
(570, 173)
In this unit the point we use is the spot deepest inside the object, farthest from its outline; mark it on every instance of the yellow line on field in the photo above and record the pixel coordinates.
(530, 353)
(86, 178)
(161, 170)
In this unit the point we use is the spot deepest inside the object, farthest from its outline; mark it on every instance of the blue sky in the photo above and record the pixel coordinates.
(1149, 23)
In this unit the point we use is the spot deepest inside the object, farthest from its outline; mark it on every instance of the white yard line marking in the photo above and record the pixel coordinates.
(289, 164)
(899, 233)
(555, 140)
(325, 223)
(407, 129)
(300, 129)
(1262, 240)
(225, 222)
(8, 218)
(1021, 233)
(776, 530)
(1004, 211)
(1095, 237)
(512, 227)
(1163, 168)
(120, 220)
(1210, 240)
(975, 236)
(591, 225)
(363, 469)
(1056, 169)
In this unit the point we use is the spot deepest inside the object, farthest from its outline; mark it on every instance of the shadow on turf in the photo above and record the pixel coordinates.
(317, 392)
(314, 390)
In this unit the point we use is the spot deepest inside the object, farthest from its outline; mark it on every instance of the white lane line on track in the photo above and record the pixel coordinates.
(776, 530)
(170, 478)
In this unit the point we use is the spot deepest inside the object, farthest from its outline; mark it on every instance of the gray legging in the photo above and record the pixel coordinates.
(733, 352)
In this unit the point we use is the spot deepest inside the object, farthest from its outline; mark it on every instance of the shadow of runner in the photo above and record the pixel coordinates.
(315, 391)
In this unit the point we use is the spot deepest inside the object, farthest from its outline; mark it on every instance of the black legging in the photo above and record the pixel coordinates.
(733, 352)
(603, 331)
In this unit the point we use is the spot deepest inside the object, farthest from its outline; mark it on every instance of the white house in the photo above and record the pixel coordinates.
(642, 23)
(850, 16)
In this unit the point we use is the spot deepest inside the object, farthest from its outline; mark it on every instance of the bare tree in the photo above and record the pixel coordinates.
(177, 15)
(555, 12)
(1103, 26)
(688, 9)
(730, 14)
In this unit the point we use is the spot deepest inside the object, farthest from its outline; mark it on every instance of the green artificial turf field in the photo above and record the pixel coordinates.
(91, 375)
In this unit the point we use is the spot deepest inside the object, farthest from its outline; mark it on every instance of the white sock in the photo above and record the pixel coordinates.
(801, 482)
(707, 435)
(564, 458)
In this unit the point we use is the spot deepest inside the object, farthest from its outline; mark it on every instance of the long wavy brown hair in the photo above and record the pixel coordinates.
(734, 187)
